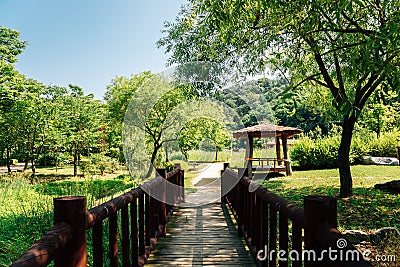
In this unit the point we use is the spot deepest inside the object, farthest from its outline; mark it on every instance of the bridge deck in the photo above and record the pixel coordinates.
(201, 236)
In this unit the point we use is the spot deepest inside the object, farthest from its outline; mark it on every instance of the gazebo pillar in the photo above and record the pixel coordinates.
(288, 163)
(278, 150)
(249, 156)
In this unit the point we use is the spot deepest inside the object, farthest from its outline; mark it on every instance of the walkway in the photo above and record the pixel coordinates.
(201, 236)
(201, 232)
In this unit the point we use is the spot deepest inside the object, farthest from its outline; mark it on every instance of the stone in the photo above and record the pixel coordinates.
(356, 236)
(383, 234)
(381, 161)
(392, 186)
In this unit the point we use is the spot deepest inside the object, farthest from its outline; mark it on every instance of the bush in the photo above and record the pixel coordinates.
(13, 161)
(318, 153)
(177, 156)
(47, 160)
(85, 166)
(100, 162)
(385, 145)
(322, 153)
(184, 164)
(169, 166)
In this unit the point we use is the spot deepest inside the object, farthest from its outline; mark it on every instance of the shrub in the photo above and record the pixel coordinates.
(318, 153)
(169, 166)
(85, 166)
(100, 162)
(47, 160)
(385, 145)
(322, 152)
(177, 156)
(13, 161)
(184, 164)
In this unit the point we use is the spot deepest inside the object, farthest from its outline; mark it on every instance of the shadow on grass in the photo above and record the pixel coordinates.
(52, 177)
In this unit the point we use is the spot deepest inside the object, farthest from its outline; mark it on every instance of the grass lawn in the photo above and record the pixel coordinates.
(368, 209)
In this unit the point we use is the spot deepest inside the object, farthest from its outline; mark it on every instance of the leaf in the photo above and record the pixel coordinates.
(360, 3)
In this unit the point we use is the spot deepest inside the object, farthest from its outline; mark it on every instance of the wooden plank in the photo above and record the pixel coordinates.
(201, 236)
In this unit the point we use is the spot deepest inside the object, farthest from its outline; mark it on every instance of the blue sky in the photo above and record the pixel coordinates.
(88, 42)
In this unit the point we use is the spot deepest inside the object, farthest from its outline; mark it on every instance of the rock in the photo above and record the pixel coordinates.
(381, 161)
(356, 236)
(383, 234)
(392, 186)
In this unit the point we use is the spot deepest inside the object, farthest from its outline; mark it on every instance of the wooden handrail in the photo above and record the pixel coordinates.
(43, 251)
(147, 215)
(261, 215)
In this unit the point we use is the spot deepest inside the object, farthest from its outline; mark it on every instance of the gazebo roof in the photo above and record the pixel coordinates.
(265, 130)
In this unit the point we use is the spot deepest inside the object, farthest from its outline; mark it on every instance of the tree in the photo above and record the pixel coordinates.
(10, 47)
(81, 123)
(347, 47)
(203, 128)
(148, 117)
(117, 96)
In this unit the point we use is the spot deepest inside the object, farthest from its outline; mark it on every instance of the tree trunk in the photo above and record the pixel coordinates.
(166, 152)
(346, 181)
(153, 158)
(75, 162)
(8, 159)
(26, 163)
(33, 168)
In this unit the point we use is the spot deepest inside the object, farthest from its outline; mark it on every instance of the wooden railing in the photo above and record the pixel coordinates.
(272, 164)
(273, 228)
(142, 220)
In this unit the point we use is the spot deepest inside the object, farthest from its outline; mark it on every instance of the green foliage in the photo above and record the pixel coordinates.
(346, 48)
(319, 152)
(200, 129)
(177, 156)
(26, 212)
(86, 166)
(47, 160)
(168, 166)
(386, 145)
(120, 92)
(352, 212)
(13, 161)
(183, 163)
(10, 45)
(100, 162)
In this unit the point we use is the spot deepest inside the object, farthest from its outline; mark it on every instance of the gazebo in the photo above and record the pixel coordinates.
(267, 130)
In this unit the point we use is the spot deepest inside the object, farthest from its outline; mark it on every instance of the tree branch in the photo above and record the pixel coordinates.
(325, 74)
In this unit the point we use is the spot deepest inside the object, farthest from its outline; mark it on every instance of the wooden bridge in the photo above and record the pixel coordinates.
(247, 226)
(201, 236)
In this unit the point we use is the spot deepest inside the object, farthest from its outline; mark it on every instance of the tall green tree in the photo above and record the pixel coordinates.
(347, 47)
(10, 80)
(81, 124)
(199, 129)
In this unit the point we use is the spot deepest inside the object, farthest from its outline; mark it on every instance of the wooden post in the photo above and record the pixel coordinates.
(286, 157)
(249, 156)
(163, 205)
(278, 150)
(318, 211)
(224, 183)
(72, 210)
